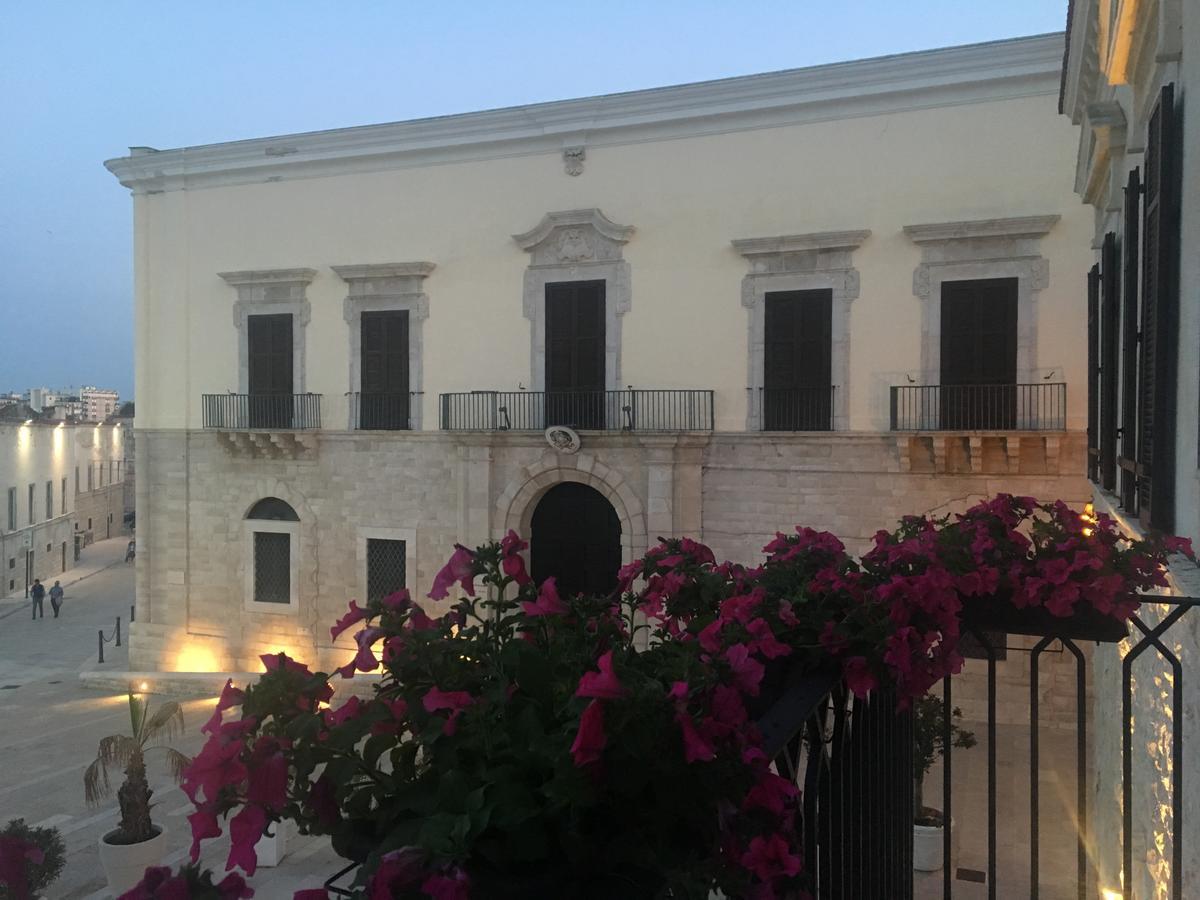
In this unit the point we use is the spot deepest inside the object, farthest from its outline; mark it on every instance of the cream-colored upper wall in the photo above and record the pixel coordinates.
(687, 198)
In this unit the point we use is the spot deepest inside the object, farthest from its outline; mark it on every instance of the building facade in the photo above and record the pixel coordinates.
(829, 296)
(98, 404)
(59, 483)
(1132, 72)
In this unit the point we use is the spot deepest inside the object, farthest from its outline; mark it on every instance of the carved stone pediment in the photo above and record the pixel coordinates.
(574, 236)
(269, 444)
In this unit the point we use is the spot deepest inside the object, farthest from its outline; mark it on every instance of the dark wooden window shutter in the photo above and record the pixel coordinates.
(1110, 319)
(798, 361)
(1160, 317)
(1093, 368)
(1130, 245)
(383, 355)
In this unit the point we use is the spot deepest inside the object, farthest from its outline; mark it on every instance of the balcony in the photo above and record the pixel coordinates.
(262, 412)
(266, 426)
(627, 410)
(979, 407)
(383, 412)
(796, 409)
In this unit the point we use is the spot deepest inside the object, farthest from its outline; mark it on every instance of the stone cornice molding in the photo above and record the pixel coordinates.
(1017, 227)
(791, 243)
(976, 73)
(530, 240)
(269, 276)
(370, 271)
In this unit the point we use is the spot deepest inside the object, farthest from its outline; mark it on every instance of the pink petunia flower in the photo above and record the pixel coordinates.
(461, 568)
(548, 602)
(695, 747)
(245, 829)
(747, 671)
(770, 857)
(355, 614)
(590, 739)
(603, 684)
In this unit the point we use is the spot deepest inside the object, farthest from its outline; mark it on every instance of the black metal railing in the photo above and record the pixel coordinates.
(796, 409)
(382, 412)
(852, 760)
(627, 410)
(247, 412)
(979, 407)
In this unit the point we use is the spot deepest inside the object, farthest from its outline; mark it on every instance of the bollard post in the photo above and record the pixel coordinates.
(100, 642)
(118, 631)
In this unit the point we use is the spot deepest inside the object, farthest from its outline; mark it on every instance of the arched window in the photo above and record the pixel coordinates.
(273, 509)
(271, 528)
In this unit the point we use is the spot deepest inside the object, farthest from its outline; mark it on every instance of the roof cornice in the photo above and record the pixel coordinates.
(950, 76)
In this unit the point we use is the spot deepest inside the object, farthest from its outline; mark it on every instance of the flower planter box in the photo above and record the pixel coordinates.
(997, 613)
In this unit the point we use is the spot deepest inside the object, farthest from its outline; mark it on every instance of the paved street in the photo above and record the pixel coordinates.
(53, 726)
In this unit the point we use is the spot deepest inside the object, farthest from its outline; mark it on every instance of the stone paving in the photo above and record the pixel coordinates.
(55, 724)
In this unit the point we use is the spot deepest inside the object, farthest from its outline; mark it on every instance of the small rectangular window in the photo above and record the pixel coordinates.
(272, 567)
(77, 479)
(31, 489)
(12, 509)
(90, 483)
(63, 497)
(386, 568)
(49, 499)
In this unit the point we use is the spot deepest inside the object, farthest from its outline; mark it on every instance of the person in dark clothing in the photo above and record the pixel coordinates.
(56, 598)
(38, 594)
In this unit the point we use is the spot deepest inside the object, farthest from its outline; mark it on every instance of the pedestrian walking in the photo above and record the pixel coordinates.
(38, 593)
(56, 598)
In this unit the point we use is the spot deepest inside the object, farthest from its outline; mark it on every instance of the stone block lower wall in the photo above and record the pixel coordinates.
(732, 490)
(47, 541)
(101, 511)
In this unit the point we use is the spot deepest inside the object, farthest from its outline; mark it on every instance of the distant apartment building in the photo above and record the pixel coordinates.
(61, 487)
(98, 404)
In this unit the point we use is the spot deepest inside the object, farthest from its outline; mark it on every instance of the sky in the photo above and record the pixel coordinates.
(82, 81)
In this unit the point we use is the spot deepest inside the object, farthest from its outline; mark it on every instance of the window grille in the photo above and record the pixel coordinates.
(386, 568)
(272, 567)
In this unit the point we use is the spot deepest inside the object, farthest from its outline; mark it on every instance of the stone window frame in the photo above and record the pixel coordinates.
(576, 245)
(292, 529)
(821, 260)
(408, 535)
(979, 249)
(383, 287)
(268, 292)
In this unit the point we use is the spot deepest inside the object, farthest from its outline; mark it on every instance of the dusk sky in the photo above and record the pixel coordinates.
(81, 82)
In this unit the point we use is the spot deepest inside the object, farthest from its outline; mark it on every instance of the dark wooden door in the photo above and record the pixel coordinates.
(383, 398)
(269, 344)
(797, 361)
(575, 338)
(979, 354)
(576, 537)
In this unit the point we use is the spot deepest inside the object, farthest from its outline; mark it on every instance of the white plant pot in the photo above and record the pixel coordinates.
(125, 864)
(927, 847)
(271, 850)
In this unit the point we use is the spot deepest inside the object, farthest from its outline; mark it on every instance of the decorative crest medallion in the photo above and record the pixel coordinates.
(563, 439)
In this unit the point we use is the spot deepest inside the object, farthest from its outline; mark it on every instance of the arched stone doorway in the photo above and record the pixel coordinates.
(576, 537)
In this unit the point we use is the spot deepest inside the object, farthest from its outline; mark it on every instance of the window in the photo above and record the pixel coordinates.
(386, 567)
(63, 496)
(979, 354)
(1093, 373)
(1110, 317)
(12, 509)
(575, 345)
(49, 499)
(269, 361)
(77, 479)
(272, 573)
(89, 524)
(1129, 343)
(797, 374)
(31, 487)
(89, 477)
(384, 397)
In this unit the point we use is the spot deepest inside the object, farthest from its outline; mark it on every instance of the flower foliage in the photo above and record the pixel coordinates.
(523, 741)
(189, 883)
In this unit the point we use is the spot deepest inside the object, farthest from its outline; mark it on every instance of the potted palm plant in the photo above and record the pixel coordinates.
(929, 743)
(136, 842)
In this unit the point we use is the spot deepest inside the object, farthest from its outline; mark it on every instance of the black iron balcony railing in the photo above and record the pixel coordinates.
(627, 410)
(796, 409)
(382, 412)
(249, 412)
(979, 407)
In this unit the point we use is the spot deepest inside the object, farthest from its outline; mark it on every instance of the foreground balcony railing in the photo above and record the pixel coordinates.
(382, 412)
(796, 409)
(252, 412)
(979, 407)
(627, 410)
